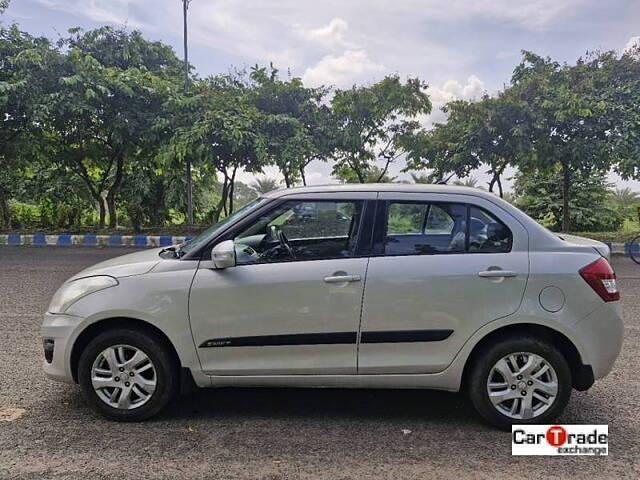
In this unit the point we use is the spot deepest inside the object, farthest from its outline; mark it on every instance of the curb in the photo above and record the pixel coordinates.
(145, 241)
(90, 240)
(619, 248)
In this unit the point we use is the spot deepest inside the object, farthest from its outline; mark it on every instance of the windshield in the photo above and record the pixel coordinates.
(204, 236)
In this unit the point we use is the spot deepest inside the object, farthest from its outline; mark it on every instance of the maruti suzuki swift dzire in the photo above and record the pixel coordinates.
(364, 286)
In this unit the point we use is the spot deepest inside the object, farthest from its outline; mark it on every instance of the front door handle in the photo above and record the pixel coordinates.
(497, 273)
(342, 278)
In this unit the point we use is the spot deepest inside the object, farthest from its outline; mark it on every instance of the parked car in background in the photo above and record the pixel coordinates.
(369, 286)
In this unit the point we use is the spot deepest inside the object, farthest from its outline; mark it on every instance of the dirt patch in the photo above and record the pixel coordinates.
(9, 414)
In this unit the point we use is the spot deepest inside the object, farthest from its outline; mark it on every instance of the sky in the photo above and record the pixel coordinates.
(461, 48)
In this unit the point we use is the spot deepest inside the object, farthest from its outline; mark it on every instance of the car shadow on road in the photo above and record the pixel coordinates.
(335, 403)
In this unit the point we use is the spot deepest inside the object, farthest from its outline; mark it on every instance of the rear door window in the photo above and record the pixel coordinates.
(423, 228)
(427, 228)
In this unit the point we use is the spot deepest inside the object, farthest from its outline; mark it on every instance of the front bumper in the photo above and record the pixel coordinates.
(62, 330)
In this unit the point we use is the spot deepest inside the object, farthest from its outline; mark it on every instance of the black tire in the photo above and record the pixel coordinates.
(490, 355)
(166, 368)
(634, 249)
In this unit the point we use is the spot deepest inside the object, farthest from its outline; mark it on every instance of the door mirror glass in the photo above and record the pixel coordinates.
(224, 254)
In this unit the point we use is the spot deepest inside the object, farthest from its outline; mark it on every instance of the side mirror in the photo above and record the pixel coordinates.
(224, 254)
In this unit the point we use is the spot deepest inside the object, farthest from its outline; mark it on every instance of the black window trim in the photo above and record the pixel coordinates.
(380, 230)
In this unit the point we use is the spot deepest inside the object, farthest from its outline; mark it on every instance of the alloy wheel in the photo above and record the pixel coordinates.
(123, 377)
(522, 385)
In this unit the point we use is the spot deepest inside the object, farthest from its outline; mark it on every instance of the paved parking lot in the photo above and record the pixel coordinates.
(265, 433)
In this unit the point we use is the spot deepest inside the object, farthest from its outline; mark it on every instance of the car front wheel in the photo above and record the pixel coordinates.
(520, 381)
(127, 375)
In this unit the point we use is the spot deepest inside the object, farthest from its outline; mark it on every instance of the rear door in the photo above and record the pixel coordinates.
(443, 266)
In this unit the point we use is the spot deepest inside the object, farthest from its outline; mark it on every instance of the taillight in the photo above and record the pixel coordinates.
(601, 277)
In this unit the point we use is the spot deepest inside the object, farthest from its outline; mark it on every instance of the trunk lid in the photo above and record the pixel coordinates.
(602, 248)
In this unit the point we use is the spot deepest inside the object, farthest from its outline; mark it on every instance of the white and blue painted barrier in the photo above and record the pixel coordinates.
(146, 241)
(90, 240)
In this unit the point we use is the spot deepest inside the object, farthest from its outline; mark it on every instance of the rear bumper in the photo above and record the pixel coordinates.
(601, 335)
(61, 329)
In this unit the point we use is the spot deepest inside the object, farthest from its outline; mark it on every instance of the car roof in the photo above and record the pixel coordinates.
(380, 187)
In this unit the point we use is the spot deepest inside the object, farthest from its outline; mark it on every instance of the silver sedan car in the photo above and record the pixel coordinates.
(364, 286)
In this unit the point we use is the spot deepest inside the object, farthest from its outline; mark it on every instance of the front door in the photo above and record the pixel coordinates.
(446, 266)
(292, 304)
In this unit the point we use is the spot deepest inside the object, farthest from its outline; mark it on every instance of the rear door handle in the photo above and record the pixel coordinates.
(497, 273)
(342, 278)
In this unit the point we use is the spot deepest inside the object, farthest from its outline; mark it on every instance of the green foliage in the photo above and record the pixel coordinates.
(627, 204)
(97, 128)
(372, 174)
(376, 122)
(24, 215)
(538, 196)
(293, 122)
(489, 132)
(575, 122)
(220, 130)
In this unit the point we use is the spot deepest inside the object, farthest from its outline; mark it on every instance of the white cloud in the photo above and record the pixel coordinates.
(101, 11)
(453, 89)
(301, 34)
(633, 42)
(343, 70)
(330, 36)
(448, 91)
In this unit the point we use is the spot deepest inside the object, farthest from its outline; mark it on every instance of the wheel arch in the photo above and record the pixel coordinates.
(581, 374)
(96, 328)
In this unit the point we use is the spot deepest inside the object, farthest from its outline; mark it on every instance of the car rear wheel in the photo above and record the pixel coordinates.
(128, 375)
(520, 381)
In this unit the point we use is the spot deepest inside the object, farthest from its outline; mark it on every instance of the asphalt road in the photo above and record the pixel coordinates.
(270, 433)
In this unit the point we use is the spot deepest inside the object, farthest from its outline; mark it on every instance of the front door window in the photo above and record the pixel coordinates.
(299, 231)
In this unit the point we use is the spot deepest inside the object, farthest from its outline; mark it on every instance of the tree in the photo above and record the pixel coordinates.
(373, 174)
(488, 132)
(30, 69)
(103, 115)
(243, 194)
(293, 122)
(264, 185)
(376, 122)
(625, 201)
(221, 130)
(570, 120)
(537, 194)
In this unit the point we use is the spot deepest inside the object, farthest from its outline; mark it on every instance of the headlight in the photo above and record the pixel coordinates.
(68, 293)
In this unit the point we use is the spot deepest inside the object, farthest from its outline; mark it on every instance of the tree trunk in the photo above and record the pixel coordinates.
(287, 181)
(113, 191)
(231, 189)
(566, 180)
(5, 212)
(111, 207)
(101, 211)
(304, 179)
(222, 205)
(495, 180)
